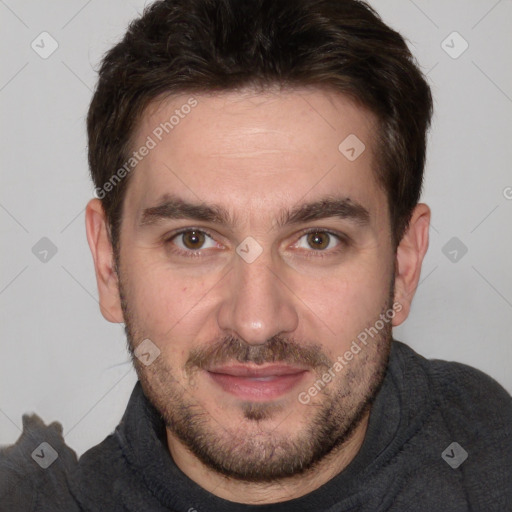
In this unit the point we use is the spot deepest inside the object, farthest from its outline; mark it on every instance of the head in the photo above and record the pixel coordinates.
(258, 167)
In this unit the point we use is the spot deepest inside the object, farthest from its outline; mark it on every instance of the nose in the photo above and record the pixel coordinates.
(257, 302)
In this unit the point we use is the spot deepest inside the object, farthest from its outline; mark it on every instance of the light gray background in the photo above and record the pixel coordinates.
(61, 359)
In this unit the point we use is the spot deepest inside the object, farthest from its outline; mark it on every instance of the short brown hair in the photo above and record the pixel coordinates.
(182, 46)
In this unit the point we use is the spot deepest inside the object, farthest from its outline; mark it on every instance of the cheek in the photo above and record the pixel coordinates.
(168, 305)
(346, 302)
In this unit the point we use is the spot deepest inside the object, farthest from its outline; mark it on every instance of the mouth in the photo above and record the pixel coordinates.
(257, 383)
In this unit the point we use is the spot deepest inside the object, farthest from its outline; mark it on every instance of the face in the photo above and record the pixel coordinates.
(255, 256)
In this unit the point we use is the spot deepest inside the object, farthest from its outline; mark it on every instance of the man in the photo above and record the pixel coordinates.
(257, 228)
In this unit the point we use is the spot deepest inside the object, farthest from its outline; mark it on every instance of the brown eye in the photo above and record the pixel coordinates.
(192, 242)
(193, 239)
(318, 241)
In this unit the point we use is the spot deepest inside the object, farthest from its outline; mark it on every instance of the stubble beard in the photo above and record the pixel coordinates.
(253, 451)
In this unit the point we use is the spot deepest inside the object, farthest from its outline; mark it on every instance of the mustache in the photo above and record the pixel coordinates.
(275, 350)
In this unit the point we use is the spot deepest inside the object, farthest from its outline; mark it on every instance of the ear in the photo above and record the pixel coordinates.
(409, 257)
(103, 256)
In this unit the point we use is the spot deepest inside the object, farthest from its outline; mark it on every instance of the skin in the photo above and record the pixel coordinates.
(256, 154)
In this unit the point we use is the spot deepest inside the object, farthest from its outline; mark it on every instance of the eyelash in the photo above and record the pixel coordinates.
(343, 243)
(342, 239)
(180, 252)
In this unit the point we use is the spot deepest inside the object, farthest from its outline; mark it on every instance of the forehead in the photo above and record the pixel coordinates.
(250, 150)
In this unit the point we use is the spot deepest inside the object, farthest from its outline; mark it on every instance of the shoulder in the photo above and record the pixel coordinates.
(101, 474)
(468, 427)
(469, 407)
(96, 465)
(461, 388)
(34, 471)
(40, 472)
(472, 393)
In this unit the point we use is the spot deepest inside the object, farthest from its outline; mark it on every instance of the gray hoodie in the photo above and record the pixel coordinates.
(439, 439)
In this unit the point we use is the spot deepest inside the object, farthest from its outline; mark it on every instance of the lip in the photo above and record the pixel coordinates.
(257, 383)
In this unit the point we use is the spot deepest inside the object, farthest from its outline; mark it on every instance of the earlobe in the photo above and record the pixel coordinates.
(409, 258)
(101, 248)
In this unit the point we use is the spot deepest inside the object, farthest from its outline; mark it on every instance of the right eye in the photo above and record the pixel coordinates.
(190, 242)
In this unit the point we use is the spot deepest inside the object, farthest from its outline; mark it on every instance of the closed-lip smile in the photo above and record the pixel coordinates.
(257, 382)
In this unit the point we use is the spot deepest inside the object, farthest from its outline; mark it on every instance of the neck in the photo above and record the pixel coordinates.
(257, 493)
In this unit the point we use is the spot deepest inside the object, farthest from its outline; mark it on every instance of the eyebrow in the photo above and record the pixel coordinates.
(171, 207)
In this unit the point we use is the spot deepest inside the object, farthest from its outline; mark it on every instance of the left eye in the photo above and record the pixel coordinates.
(318, 240)
(193, 240)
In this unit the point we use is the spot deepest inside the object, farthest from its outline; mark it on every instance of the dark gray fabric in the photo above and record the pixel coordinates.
(422, 408)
